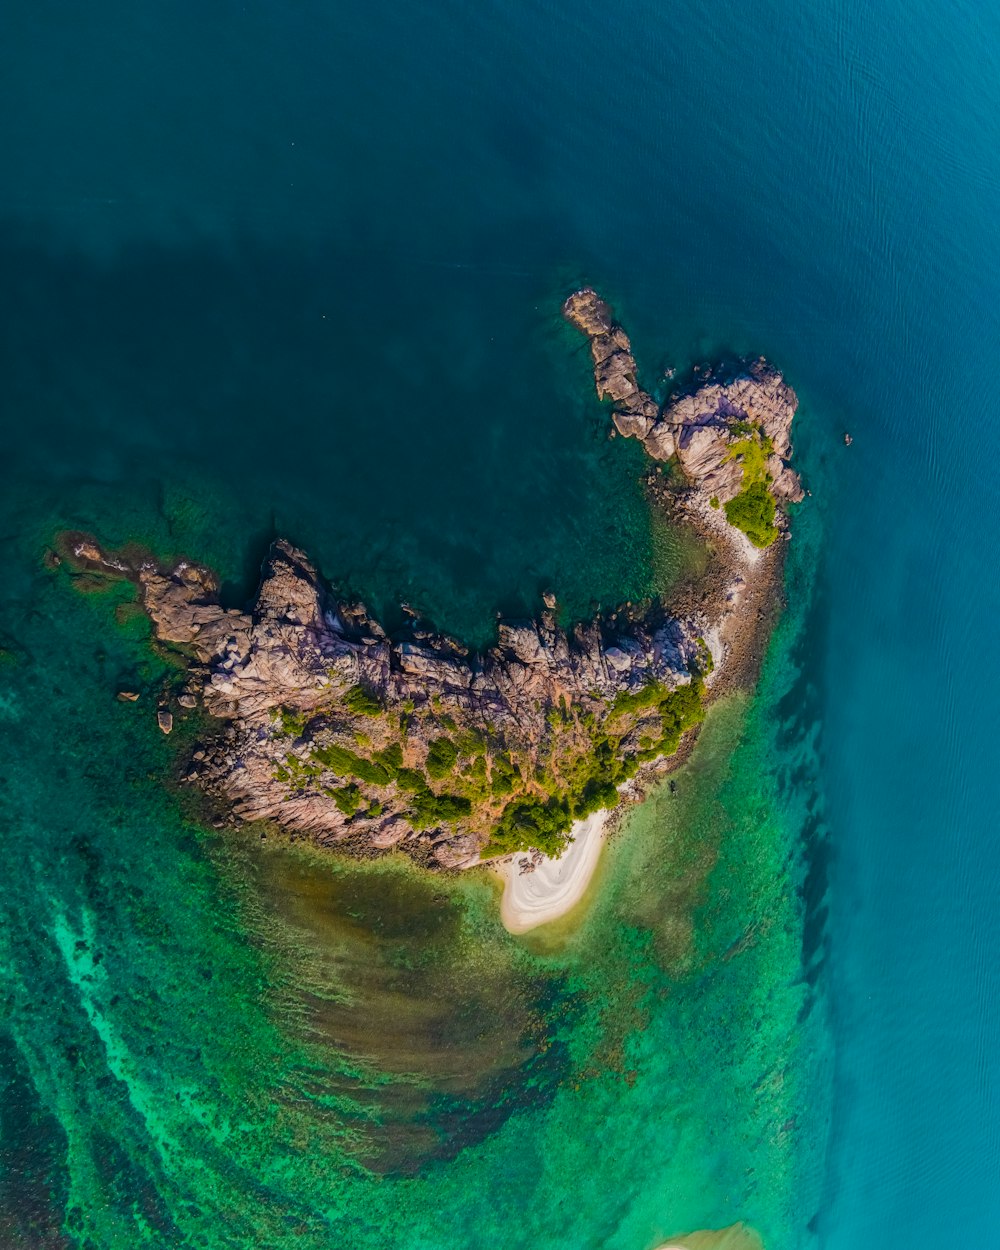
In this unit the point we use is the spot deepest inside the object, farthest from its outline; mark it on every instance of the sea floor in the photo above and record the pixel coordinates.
(221, 1040)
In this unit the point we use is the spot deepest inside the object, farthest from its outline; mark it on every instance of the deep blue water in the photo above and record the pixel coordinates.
(295, 266)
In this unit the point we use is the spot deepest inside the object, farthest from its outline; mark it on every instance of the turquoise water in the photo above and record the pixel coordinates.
(296, 269)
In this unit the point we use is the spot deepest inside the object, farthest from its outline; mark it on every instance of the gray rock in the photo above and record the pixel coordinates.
(698, 427)
(660, 442)
(632, 424)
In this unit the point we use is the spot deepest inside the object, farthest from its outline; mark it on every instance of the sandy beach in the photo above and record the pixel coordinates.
(556, 885)
(735, 1237)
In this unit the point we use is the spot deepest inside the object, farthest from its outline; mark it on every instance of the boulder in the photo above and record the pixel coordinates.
(632, 424)
(660, 442)
(588, 312)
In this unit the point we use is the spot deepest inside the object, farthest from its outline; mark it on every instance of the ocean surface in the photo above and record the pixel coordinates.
(296, 269)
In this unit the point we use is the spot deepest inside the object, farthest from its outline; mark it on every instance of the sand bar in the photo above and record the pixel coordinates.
(735, 1237)
(556, 885)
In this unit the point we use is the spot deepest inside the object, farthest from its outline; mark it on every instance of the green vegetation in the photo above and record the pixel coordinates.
(705, 663)
(681, 710)
(346, 763)
(362, 702)
(296, 773)
(638, 700)
(752, 511)
(469, 742)
(588, 780)
(504, 774)
(431, 809)
(391, 757)
(528, 823)
(411, 780)
(292, 724)
(518, 799)
(348, 798)
(442, 755)
(752, 453)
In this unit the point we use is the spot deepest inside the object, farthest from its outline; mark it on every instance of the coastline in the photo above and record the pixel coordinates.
(472, 756)
(552, 887)
(735, 1237)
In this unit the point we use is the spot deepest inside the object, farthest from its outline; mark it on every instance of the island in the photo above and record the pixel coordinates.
(329, 727)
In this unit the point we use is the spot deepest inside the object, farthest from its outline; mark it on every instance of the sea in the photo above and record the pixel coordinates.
(296, 270)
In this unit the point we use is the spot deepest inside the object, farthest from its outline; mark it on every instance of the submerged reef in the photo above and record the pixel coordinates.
(332, 728)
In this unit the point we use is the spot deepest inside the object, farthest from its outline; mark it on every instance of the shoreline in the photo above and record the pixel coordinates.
(554, 886)
(738, 1236)
(495, 750)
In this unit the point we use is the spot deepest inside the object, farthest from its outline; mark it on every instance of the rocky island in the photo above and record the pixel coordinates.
(330, 728)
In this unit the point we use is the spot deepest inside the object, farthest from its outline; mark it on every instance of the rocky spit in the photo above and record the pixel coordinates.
(695, 427)
(277, 676)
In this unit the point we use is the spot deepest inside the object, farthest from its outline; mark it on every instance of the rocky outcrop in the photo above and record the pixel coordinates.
(298, 644)
(701, 426)
(706, 422)
(279, 673)
(615, 372)
(336, 729)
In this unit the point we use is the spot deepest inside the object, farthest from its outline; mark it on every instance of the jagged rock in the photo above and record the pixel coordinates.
(127, 696)
(390, 833)
(633, 424)
(787, 486)
(659, 442)
(460, 852)
(699, 427)
(618, 660)
(296, 646)
(615, 373)
(279, 671)
(702, 451)
(589, 313)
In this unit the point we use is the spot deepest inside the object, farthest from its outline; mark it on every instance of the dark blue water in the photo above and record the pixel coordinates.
(295, 268)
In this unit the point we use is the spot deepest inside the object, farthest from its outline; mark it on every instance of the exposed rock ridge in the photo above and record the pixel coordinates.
(696, 427)
(615, 372)
(298, 644)
(299, 649)
(332, 724)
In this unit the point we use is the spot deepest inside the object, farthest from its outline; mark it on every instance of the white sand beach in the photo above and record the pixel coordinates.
(556, 885)
(735, 1237)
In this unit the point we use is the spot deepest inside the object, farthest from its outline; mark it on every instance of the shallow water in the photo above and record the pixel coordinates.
(219, 1041)
(273, 271)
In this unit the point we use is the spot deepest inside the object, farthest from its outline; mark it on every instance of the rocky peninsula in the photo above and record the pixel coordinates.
(330, 728)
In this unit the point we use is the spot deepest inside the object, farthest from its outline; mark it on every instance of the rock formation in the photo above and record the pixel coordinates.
(294, 657)
(615, 373)
(335, 729)
(699, 427)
